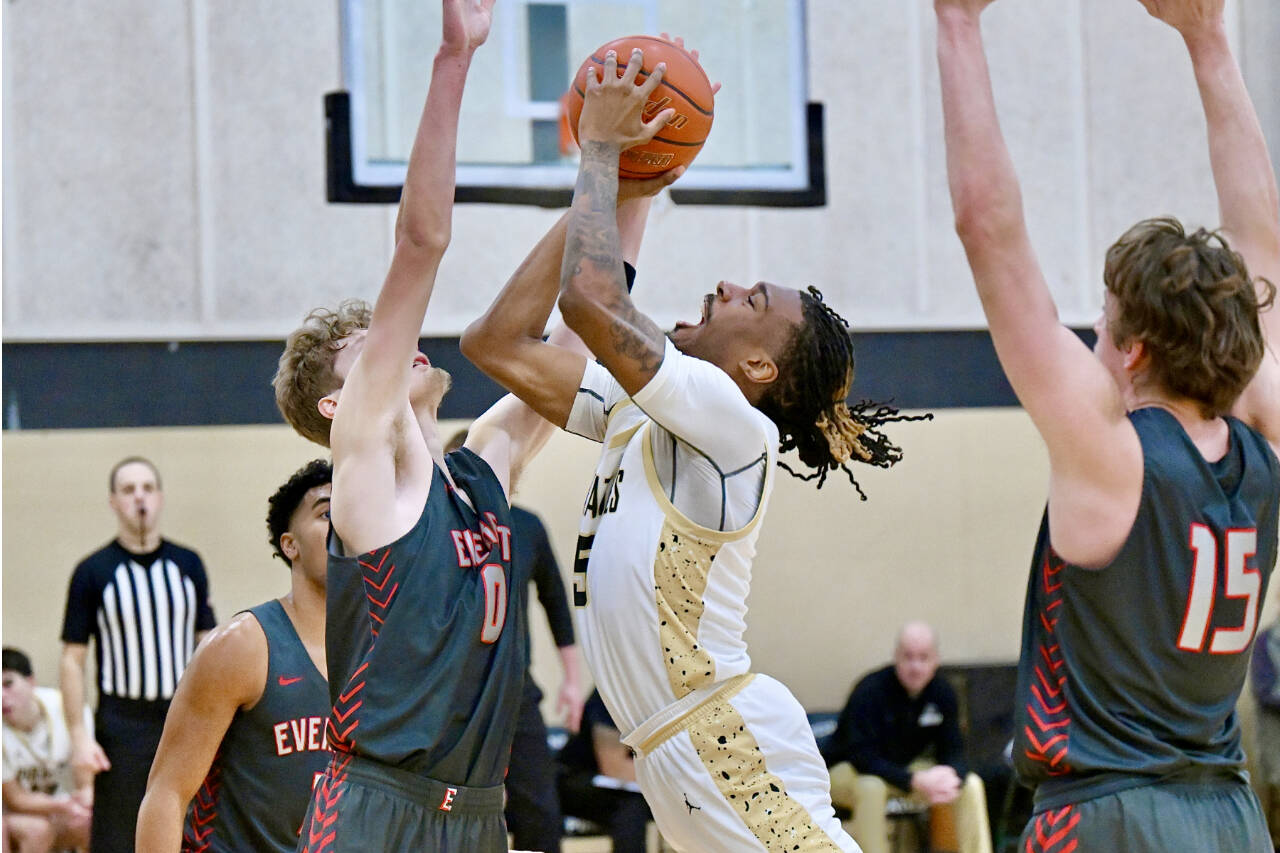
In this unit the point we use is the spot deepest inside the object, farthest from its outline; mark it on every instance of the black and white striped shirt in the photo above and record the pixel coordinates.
(143, 612)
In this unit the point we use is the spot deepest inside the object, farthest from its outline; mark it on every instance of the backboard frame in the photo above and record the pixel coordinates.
(353, 177)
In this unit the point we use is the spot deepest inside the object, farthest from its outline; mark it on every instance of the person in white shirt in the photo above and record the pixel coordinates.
(691, 423)
(42, 809)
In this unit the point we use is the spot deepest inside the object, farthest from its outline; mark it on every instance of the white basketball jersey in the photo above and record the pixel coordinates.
(661, 597)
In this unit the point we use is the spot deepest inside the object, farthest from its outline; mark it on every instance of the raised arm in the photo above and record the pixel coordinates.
(1094, 454)
(226, 673)
(593, 291)
(506, 343)
(1244, 177)
(379, 380)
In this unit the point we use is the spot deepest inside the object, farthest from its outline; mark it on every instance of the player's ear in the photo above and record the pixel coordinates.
(1135, 355)
(759, 368)
(328, 405)
(289, 545)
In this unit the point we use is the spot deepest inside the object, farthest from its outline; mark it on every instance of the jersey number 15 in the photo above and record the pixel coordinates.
(1241, 582)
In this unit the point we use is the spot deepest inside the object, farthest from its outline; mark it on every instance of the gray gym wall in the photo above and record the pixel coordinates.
(164, 168)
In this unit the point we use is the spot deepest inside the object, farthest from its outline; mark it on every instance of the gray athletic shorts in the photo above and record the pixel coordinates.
(361, 806)
(1172, 816)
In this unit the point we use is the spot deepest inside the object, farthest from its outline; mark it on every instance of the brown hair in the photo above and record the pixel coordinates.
(808, 401)
(1190, 301)
(305, 372)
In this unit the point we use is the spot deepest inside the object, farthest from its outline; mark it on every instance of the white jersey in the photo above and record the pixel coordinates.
(40, 760)
(668, 532)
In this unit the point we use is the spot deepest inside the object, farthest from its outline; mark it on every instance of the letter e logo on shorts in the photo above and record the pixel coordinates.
(447, 804)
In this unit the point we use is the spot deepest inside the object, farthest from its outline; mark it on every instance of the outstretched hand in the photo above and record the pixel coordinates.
(613, 108)
(1185, 15)
(466, 24)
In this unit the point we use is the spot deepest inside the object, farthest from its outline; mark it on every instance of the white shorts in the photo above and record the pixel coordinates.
(740, 773)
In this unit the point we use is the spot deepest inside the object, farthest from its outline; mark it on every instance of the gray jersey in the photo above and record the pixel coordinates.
(1131, 673)
(258, 787)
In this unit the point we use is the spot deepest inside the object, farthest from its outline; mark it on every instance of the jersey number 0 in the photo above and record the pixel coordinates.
(1241, 582)
(495, 602)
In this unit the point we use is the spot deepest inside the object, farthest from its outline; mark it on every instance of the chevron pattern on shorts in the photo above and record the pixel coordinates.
(1054, 831)
(319, 834)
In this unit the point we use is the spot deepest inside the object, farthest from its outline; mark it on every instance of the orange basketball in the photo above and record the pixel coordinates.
(684, 88)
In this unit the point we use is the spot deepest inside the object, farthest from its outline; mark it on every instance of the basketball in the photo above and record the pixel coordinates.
(684, 88)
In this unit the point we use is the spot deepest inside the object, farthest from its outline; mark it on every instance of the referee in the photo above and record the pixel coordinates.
(145, 603)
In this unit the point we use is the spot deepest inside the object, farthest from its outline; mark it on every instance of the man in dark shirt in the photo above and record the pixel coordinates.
(598, 780)
(144, 602)
(899, 735)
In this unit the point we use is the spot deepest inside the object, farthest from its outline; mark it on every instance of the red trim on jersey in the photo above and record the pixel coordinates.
(197, 832)
(343, 710)
(376, 577)
(1048, 731)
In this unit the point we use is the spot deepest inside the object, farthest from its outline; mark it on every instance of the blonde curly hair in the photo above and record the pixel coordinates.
(305, 372)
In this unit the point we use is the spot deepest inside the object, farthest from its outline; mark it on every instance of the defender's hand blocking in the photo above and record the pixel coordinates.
(466, 24)
(613, 109)
(1184, 15)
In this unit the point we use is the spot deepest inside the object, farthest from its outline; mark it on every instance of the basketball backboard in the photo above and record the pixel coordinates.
(765, 146)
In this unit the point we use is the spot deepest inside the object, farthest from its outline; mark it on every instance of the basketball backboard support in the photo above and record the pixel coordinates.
(765, 147)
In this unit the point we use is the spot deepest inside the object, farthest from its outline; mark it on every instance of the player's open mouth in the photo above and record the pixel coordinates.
(706, 314)
(421, 360)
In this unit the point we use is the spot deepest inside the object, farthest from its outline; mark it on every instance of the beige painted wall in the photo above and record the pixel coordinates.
(187, 137)
(945, 536)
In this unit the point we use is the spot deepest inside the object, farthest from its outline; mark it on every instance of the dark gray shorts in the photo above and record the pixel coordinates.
(1220, 816)
(360, 805)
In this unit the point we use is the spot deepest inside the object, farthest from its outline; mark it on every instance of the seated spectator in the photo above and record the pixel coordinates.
(598, 780)
(899, 735)
(1265, 681)
(42, 811)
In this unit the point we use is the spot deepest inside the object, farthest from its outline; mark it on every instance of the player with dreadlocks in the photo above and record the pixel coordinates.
(690, 422)
(821, 427)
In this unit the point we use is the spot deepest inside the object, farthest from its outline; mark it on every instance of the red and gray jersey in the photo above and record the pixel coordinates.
(256, 793)
(425, 640)
(1131, 673)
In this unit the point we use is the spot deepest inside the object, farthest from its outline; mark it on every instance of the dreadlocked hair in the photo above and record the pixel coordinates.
(808, 401)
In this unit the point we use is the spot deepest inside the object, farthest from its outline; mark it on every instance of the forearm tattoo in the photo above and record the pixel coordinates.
(592, 247)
